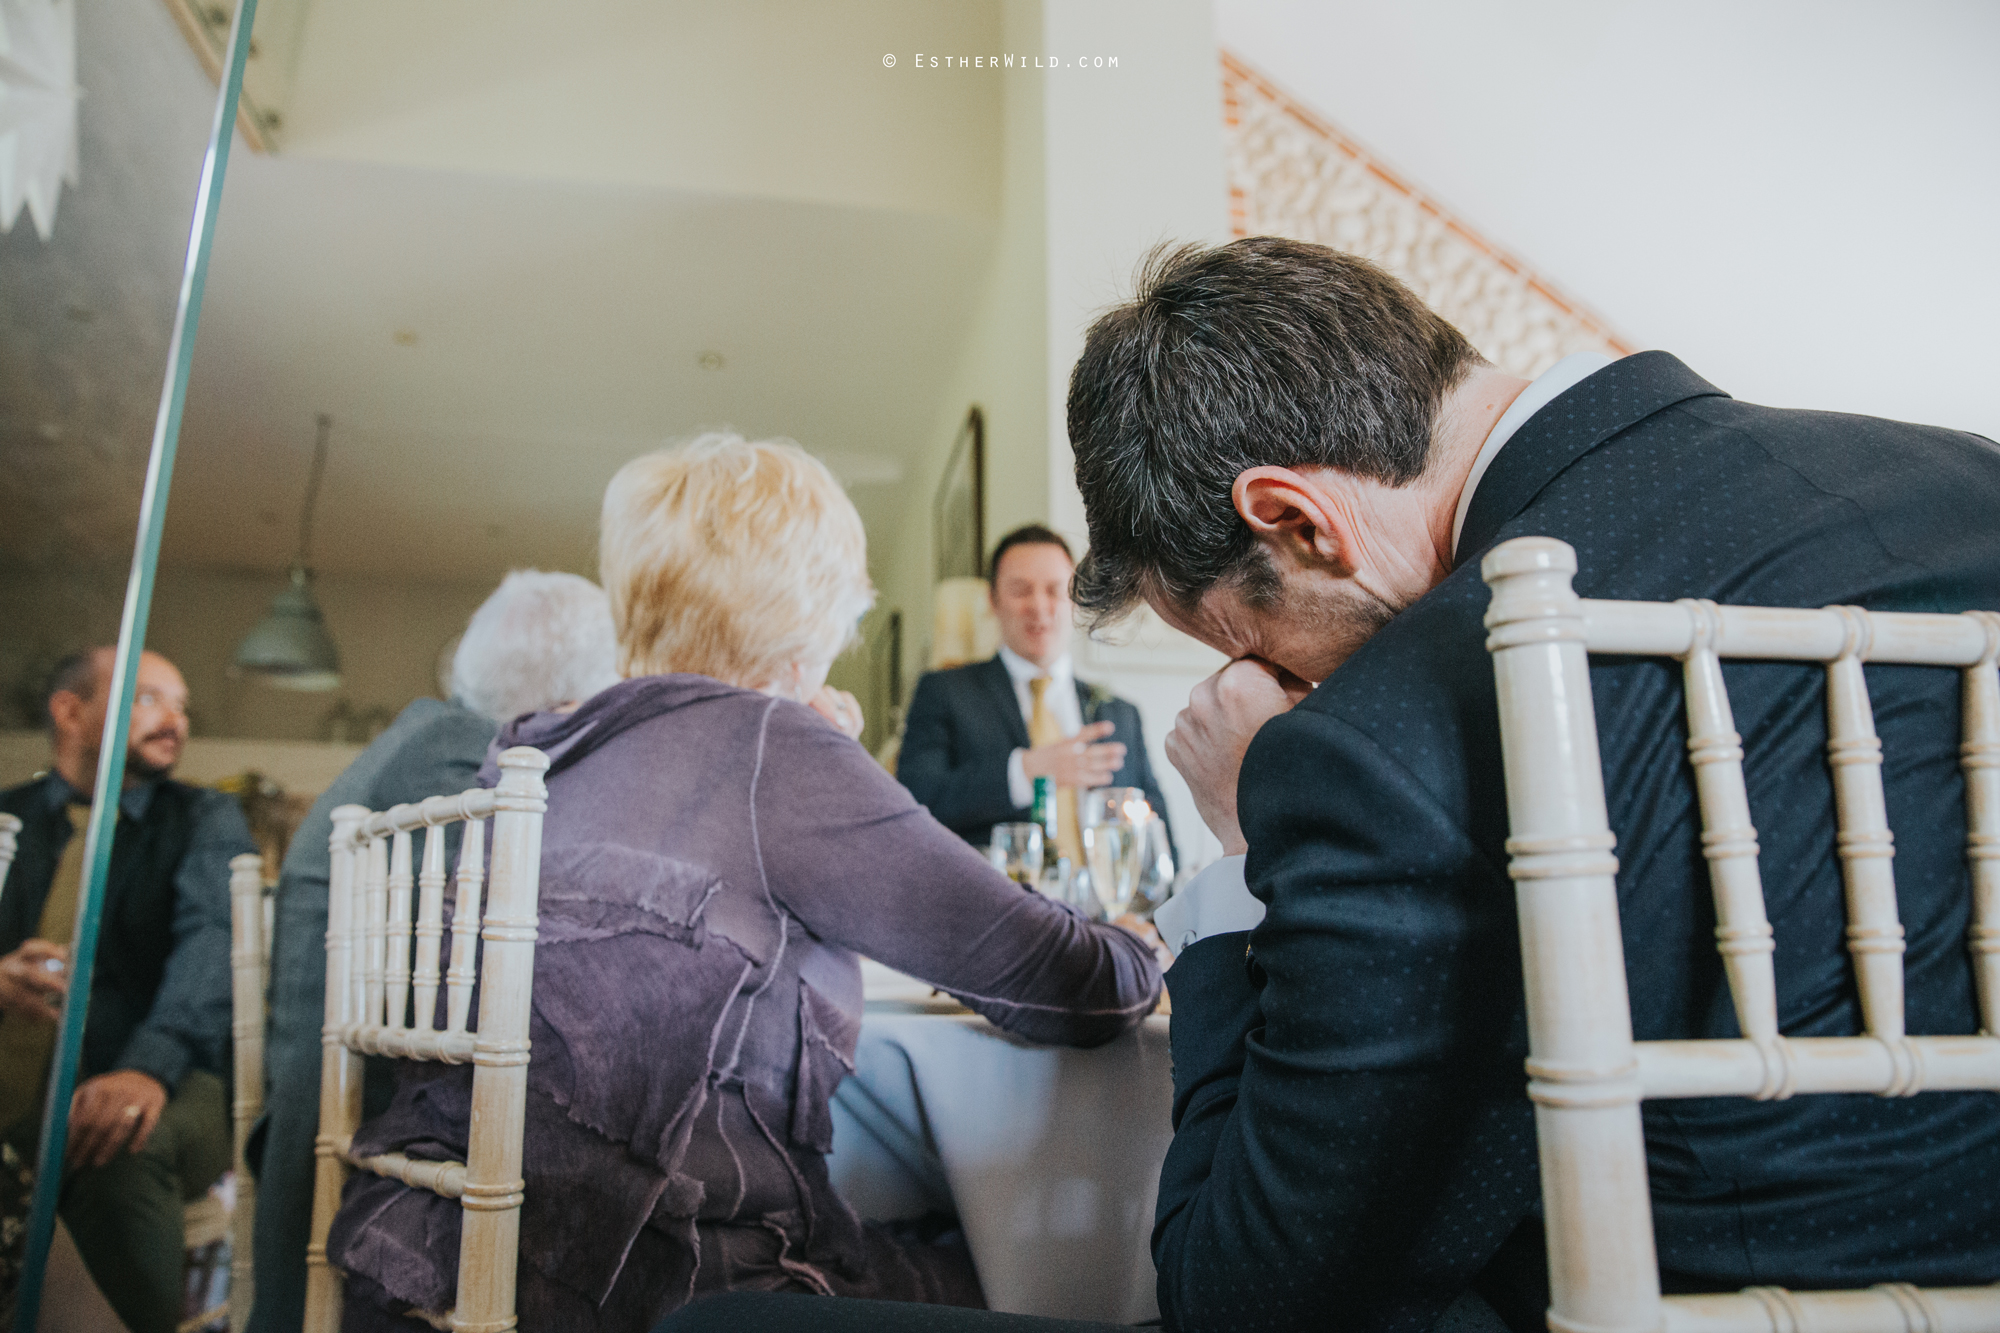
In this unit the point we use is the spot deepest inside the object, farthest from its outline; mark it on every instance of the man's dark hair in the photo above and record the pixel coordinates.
(1262, 352)
(75, 674)
(1028, 534)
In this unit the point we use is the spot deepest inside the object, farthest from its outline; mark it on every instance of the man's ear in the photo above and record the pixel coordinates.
(65, 707)
(1293, 511)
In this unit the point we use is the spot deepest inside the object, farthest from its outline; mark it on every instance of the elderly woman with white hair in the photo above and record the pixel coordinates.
(716, 855)
(541, 640)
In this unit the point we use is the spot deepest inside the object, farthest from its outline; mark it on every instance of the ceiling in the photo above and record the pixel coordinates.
(492, 350)
(504, 266)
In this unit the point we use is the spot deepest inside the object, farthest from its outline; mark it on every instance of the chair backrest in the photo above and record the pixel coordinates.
(1586, 1074)
(383, 976)
(250, 970)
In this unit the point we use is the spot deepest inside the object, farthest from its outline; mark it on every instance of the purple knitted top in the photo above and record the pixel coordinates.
(713, 860)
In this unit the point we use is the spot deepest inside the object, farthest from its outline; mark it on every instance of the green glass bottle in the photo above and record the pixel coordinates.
(1045, 815)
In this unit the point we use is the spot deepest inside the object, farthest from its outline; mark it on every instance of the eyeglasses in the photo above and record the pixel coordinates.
(155, 699)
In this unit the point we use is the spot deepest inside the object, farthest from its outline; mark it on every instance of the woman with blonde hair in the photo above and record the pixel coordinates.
(716, 854)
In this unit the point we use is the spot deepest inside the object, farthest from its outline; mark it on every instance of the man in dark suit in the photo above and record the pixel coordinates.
(1287, 455)
(977, 736)
(148, 1123)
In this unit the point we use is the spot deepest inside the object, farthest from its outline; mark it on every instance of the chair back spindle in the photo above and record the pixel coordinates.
(1586, 1075)
(430, 930)
(249, 964)
(471, 879)
(384, 947)
(396, 932)
(1981, 758)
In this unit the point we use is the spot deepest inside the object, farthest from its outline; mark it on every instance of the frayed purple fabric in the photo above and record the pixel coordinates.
(713, 860)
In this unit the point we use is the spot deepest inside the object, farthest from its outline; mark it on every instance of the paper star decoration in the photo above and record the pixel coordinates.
(38, 97)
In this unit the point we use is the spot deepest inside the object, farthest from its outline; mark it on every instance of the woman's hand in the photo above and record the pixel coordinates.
(1149, 935)
(840, 708)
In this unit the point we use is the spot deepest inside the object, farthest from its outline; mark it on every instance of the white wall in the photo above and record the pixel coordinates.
(1796, 199)
(1100, 162)
(1003, 367)
(1134, 158)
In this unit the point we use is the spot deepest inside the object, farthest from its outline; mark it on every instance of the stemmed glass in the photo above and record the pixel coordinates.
(1114, 820)
(1156, 867)
(1016, 852)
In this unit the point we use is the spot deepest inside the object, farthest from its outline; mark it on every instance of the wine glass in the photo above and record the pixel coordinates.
(1156, 866)
(1017, 852)
(1113, 820)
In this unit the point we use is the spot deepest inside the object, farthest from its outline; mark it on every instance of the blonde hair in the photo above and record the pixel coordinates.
(733, 559)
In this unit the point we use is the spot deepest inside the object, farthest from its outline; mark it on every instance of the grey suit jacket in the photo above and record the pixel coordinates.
(432, 748)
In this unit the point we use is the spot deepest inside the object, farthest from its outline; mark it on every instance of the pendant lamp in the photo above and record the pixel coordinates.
(289, 649)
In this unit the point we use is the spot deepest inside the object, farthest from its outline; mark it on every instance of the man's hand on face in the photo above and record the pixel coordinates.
(113, 1113)
(29, 986)
(1082, 761)
(1212, 733)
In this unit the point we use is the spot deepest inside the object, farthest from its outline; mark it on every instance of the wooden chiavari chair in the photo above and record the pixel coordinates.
(381, 999)
(250, 970)
(1587, 1076)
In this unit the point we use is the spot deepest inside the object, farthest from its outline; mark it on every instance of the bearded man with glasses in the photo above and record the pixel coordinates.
(148, 1124)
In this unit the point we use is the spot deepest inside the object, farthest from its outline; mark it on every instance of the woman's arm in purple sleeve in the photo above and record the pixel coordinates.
(863, 865)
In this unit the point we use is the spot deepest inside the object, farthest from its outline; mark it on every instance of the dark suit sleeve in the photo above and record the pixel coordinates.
(1323, 1108)
(962, 788)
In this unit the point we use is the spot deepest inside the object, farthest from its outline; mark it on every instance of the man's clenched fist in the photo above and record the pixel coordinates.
(1211, 734)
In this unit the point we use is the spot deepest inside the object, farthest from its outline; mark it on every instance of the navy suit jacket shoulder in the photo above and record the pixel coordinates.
(1354, 1144)
(963, 724)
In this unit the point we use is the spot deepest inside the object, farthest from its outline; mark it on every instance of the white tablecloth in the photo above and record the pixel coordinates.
(1049, 1157)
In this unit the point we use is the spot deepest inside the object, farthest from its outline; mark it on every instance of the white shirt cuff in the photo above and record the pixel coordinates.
(1215, 902)
(1019, 789)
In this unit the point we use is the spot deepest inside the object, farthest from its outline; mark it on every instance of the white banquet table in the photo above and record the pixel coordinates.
(1049, 1157)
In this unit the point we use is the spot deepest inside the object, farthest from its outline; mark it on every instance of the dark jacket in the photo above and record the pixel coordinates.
(159, 995)
(962, 725)
(712, 861)
(1354, 1146)
(432, 749)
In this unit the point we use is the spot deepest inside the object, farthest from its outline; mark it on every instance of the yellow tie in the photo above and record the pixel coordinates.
(25, 1045)
(1043, 729)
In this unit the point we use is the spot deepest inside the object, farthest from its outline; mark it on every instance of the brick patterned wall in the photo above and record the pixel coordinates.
(1291, 173)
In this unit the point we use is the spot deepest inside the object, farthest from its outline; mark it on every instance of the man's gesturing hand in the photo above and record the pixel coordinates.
(111, 1113)
(1077, 761)
(1213, 731)
(29, 987)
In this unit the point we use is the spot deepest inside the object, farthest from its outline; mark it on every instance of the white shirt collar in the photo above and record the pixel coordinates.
(1551, 384)
(1021, 670)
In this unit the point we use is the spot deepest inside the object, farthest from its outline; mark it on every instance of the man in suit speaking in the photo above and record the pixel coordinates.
(978, 736)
